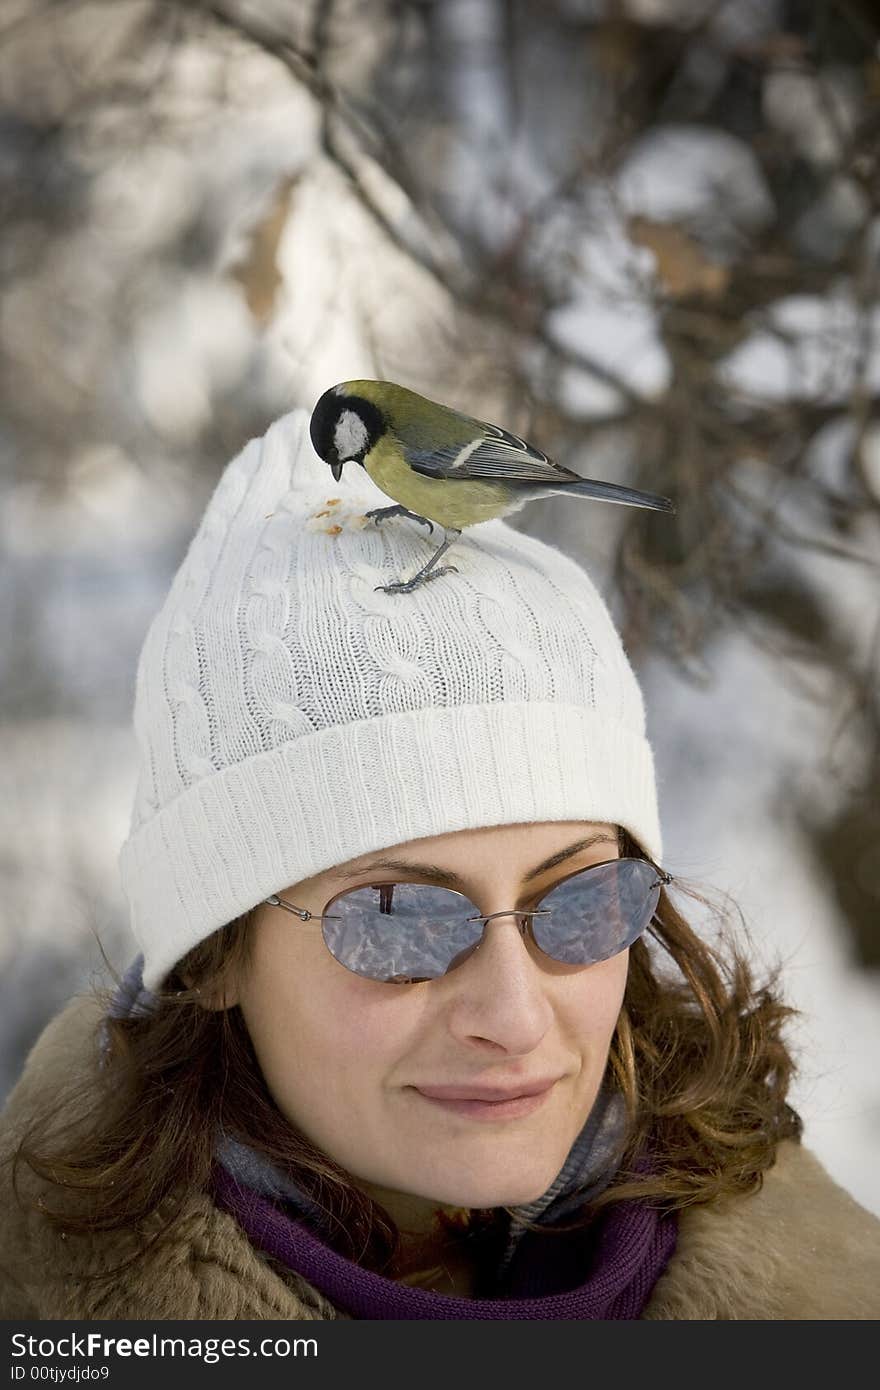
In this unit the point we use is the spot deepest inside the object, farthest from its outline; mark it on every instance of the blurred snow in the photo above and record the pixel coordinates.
(817, 112)
(871, 458)
(606, 311)
(812, 348)
(346, 293)
(745, 762)
(66, 787)
(585, 395)
(624, 339)
(739, 835)
(828, 225)
(734, 23)
(107, 504)
(705, 177)
(190, 348)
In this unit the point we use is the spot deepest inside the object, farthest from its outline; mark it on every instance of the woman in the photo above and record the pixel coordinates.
(416, 1029)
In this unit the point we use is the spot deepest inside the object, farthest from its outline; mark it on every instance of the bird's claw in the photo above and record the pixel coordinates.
(406, 586)
(377, 514)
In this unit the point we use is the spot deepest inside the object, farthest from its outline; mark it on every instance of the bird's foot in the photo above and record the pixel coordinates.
(378, 514)
(407, 586)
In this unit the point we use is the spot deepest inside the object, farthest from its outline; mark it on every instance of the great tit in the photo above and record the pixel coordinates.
(441, 466)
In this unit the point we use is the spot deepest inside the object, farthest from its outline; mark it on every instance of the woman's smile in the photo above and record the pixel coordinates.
(491, 1110)
(489, 1103)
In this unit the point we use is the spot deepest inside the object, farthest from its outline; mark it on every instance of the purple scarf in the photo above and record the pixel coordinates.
(623, 1257)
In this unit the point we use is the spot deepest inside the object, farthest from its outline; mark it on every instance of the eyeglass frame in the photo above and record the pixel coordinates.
(664, 878)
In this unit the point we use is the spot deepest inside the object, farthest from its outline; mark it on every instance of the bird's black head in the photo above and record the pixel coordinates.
(344, 427)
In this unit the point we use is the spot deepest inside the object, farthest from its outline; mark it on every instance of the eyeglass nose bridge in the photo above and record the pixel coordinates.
(523, 924)
(511, 912)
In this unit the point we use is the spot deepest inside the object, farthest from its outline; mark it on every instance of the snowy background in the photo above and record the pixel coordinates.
(646, 234)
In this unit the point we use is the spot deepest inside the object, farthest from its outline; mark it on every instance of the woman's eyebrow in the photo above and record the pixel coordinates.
(453, 880)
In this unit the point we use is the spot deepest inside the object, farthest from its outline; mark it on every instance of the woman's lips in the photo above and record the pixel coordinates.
(509, 1108)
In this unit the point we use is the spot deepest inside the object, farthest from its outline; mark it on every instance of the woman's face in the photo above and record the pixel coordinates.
(348, 1059)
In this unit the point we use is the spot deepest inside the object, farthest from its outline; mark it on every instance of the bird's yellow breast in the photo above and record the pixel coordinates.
(452, 502)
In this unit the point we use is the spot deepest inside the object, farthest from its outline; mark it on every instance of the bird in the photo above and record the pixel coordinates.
(441, 467)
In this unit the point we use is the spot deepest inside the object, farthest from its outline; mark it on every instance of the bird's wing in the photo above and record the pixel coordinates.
(494, 453)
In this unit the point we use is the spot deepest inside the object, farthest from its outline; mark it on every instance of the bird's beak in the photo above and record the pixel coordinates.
(332, 457)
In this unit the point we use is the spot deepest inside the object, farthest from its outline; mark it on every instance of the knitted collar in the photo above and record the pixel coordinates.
(588, 1169)
(605, 1274)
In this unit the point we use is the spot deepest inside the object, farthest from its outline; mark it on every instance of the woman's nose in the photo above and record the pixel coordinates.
(498, 994)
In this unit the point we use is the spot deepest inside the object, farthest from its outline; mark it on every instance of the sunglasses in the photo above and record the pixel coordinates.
(405, 933)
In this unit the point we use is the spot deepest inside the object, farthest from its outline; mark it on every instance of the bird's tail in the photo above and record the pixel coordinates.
(613, 492)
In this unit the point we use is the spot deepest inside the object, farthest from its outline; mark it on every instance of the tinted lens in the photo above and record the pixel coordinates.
(597, 913)
(400, 931)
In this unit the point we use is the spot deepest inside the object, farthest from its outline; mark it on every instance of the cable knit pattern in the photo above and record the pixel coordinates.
(290, 717)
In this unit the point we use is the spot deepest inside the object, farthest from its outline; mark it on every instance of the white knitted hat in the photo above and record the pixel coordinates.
(290, 718)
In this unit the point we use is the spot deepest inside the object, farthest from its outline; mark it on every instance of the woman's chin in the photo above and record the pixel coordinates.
(489, 1193)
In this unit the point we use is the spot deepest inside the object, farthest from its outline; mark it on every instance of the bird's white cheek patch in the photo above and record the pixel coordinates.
(350, 437)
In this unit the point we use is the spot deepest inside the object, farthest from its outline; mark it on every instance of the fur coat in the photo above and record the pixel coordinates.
(800, 1248)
